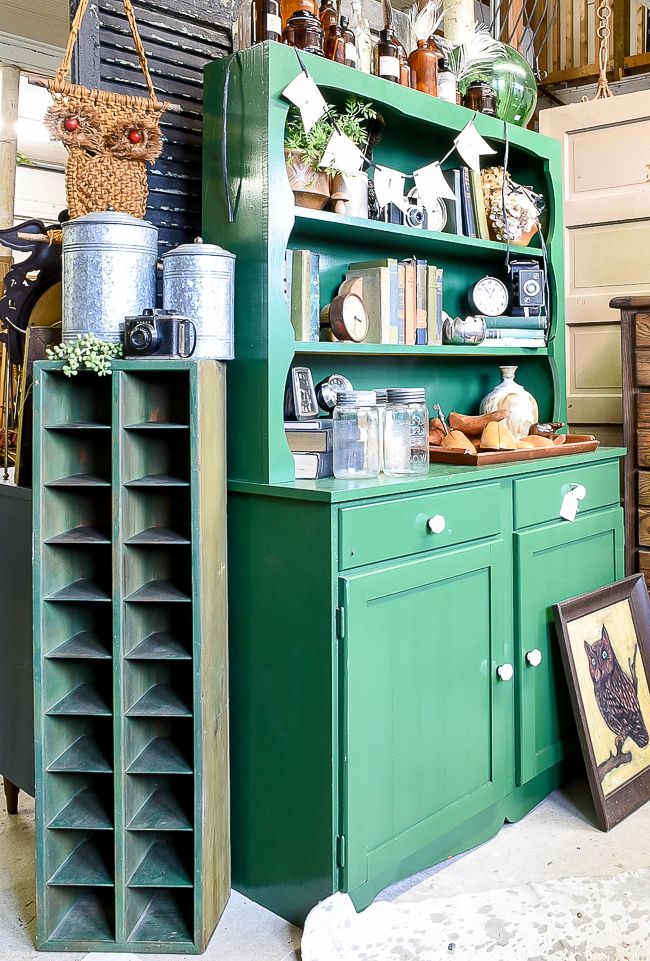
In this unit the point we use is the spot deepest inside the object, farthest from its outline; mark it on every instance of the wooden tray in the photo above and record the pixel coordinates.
(574, 444)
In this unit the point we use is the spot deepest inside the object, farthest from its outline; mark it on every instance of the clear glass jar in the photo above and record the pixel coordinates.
(382, 399)
(356, 435)
(406, 434)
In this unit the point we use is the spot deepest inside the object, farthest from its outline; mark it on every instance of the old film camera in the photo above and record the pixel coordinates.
(528, 288)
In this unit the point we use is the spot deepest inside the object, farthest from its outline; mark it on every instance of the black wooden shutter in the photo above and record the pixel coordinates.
(179, 37)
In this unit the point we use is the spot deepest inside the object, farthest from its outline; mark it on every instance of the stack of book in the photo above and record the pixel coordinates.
(469, 206)
(403, 300)
(310, 442)
(515, 332)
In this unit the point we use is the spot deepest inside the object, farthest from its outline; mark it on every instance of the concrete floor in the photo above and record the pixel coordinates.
(558, 839)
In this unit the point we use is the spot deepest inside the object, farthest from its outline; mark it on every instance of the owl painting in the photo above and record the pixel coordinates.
(617, 699)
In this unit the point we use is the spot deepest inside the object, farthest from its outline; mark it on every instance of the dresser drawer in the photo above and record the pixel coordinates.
(538, 499)
(379, 532)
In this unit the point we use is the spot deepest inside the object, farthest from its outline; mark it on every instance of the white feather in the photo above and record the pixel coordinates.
(423, 19)
(479, 51)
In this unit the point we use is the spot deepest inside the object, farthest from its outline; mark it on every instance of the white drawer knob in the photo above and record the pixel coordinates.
(505, 672)
(437, 524)
(534, 657)
(579, 491)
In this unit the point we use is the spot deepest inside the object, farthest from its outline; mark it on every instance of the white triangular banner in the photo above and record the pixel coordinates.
(471, 146)
(342, 154)
(303, 92)
(389, 186)
(432, 185)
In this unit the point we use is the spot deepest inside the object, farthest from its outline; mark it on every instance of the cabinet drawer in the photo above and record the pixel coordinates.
(539, 499)
(379, 532)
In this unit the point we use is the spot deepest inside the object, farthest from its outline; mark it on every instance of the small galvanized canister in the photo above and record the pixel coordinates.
(109, 272)
(199, 282)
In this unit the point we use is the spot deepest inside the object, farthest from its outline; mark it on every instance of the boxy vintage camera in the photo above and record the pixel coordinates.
(159, 333)
(414, 216)
(528, 288)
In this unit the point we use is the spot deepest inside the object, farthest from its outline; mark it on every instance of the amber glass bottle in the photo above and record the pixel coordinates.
(385, 57)
(268, 22)
(335, 44)
(351, 58)
(423, 62)
(289, 7)
(327, 14)
(404, 69)
(303, 30)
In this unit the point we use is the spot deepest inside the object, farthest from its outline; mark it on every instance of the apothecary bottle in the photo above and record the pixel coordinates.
(447, 83)
(303, 30)
(423, 62)
(334, 46)
(481, 97)
(355, 435)
(289, 7)
(363, 38)
(328, 15)
(385, 57)
(406, 434)
(404, 69)
(268, 22)
(351, 58)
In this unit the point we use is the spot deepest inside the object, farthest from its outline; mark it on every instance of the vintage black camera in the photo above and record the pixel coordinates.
(414, 214)
(528, 288)
(159, 333)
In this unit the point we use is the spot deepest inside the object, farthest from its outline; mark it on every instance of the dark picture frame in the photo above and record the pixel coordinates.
(604, 637)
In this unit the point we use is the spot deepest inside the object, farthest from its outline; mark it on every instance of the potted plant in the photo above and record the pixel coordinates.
(313, 185)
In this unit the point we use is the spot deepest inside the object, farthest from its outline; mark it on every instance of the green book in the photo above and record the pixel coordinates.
(478, 199)
(305, 295)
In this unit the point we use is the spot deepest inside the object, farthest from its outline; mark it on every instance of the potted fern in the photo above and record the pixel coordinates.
(311, 184)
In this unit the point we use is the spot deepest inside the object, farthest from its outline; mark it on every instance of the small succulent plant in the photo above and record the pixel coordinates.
(87, 352)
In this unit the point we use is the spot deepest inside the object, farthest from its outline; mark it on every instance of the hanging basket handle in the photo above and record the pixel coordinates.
(74, 33)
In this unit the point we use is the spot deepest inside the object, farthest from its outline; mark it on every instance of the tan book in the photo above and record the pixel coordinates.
(401, 304)
(376, 298)
(410, 301)
(478, 199)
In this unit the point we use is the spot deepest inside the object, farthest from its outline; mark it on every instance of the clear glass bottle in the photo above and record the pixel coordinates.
(447, 84)
(351, 58)
(362, 36)
(406, 434)
(355, 439)
(385, 57)
(382, 399)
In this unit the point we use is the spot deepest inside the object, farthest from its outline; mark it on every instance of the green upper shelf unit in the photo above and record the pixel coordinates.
(265, 224)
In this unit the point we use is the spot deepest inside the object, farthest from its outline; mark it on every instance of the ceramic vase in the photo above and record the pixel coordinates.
(511, 396)
(311, 188)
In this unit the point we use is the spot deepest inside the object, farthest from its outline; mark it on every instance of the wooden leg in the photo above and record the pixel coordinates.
(11, 794)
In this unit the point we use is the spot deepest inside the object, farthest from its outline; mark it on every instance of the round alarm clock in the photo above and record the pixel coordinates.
(347, 317)
(328, 388)
(488, 297)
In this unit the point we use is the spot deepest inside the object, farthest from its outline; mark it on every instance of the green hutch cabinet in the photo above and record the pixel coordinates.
(396, 694)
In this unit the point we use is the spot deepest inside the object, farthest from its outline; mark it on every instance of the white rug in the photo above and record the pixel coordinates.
(577, 919)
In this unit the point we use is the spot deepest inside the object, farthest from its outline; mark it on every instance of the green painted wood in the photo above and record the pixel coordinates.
(379, 532)
(539, 499)
(555, 562)
(426, 636)
(124, 549)
(344, 349)
(266, 223)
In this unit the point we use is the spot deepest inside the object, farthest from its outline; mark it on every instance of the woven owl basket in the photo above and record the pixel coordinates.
(109, 137)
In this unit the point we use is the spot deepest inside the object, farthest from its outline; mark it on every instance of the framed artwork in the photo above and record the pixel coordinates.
(605, 642)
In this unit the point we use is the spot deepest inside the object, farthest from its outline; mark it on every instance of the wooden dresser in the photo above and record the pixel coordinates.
(635, 348)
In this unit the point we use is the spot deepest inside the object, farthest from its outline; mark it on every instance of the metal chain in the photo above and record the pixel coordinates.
(604, 14)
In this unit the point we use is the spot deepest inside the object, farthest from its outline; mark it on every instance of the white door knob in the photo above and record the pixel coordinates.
(534, 657)
(505, 672)
(437, 524)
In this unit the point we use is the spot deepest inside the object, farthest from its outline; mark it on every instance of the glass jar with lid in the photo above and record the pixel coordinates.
(382, 399)
(304, 30)
(355, 439)
(406, 434)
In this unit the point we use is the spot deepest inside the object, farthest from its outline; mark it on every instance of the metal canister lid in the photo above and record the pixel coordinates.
(382, 395)
(356, 398)
(407, 395)
(198, 249)
(105, 217)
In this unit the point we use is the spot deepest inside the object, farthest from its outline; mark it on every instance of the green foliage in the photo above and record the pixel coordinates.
(349, 121)
(88, 352)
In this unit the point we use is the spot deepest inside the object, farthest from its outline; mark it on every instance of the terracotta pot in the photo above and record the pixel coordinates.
(311, 188)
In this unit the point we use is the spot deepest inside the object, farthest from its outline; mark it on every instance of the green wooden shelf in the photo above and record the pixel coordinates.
(160, 701)
(128, 546)
(85, 867)
(85, 701)
(161, 756)
(159, 646)
(82, 646)
(161, 867)
(407, 350)
(162, 921)
(85, 812)
(89, 919)
(85, 756)
(161, 812)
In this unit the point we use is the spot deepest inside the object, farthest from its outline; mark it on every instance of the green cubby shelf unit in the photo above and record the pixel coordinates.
(266, 223)
(130, 657)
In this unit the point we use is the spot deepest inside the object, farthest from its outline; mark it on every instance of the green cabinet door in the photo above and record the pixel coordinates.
(426, 722)
(553, 563)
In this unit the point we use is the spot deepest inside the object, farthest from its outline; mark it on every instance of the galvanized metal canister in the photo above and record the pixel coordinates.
(109, 272)
(199, 282)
